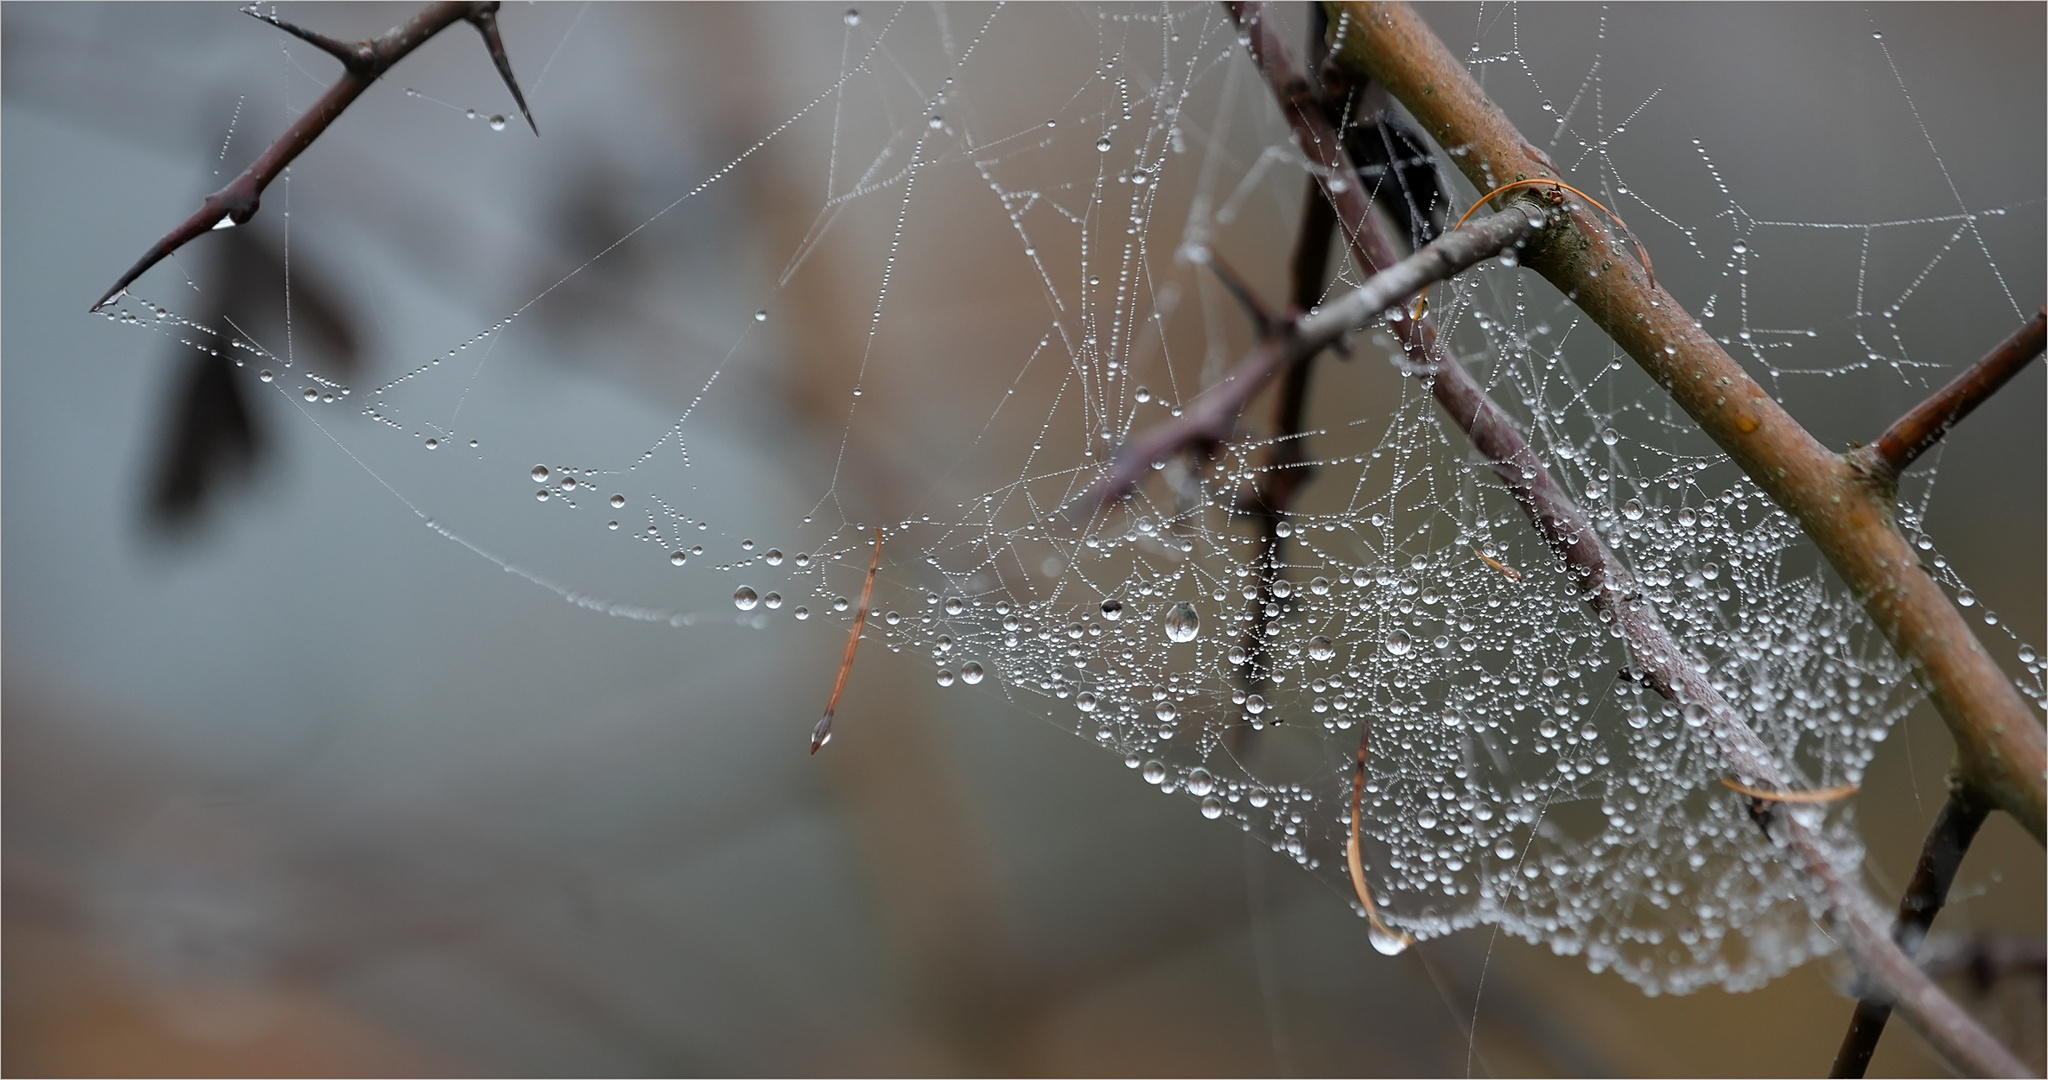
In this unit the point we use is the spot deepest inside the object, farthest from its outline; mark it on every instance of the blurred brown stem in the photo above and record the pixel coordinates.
(1916, 432)
(1942, 855)
(363, 62)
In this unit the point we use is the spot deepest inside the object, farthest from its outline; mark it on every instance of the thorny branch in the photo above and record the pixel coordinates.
(363, 62)
(1605, 582)
(1916, 432)
(1961, 815)
(1849, 516)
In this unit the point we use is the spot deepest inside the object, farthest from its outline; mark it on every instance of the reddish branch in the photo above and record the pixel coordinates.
(1917, 431)
(1608, 585)
(1961, 815)
(363, 62)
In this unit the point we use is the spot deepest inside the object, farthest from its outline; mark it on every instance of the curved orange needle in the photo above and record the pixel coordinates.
(1642, 253)
(1354, 860)
(1824, 795)
(823, 732)
(1509, 572)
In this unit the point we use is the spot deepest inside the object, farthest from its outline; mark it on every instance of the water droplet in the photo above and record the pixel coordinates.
(541, 495)
(312, 394)
(1212, 808)
(1154, 772)
(1237, 654)
(935, 122)
(1166, 712)
(803, 558)
(1387, 942)
(613, 525)
(1142, 395)
(1632, 510)
(744, 598)
(945, 677)
(1398, 643)
(1504, 850)
(1112, 609)
(568, 483)
(1550, 677)
(1183, 622)
(677, 558)
(1255, 704)
(772, 600)
(802, 613)
(893, 618)
(433, 444)
(1741, 248)
(761, 315)
(1688, 517)
(497, 123)
(970, 673)
(773, 556)
(1102, 144)
(1610, 437)
(1966, 598)
(852, 17)
(266, 375)
(540, 474)
(1200, 782)
(1321, 648)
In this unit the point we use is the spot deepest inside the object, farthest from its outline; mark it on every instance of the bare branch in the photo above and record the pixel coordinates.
(1916, 432)
(1211, 418)
(2002, 746)
(363, 63)
(1609, 586)
(1942, 855)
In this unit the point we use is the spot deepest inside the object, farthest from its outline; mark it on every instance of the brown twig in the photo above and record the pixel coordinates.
(1850, 518)
(362, 62)
(1940, 857)
(1916, 432)
(1608, 585)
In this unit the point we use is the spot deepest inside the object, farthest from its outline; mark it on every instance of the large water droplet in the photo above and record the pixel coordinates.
(1102, 144)
(1387, 942)
(970, 673)
(1632, 510)
(1398, 643)
(1112, 609)
(1255, 704)
(744, 598)
(1200, 782)
(852, 16)
(1154, 772)
(1321, 648)
(540, 474)
(1183, 622)
(1084, 701)
(1212, 808)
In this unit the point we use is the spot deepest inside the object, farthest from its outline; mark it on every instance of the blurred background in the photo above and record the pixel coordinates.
(295, 785)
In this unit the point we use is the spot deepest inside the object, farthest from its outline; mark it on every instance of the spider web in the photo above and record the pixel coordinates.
(1001, 202)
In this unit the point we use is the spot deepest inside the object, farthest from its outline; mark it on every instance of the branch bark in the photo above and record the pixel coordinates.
(1608, 585)
(363, 62)
(1942, 855)
(1848, 513)
(1916, 432)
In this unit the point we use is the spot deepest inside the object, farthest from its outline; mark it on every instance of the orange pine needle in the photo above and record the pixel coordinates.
(1824, 795)
(1507, 571)
(823, 732)
(1355, 862)
(1642, 253)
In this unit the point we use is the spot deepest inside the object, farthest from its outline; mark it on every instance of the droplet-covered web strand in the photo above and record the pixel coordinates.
(823, 732)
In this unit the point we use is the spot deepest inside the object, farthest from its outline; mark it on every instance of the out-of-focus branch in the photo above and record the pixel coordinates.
(1916, 432)
(1609, 586)
(363, 62)
(2002, 747)
(1942, 855)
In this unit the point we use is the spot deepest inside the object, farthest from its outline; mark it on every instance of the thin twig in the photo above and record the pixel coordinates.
(1999, 738)
(1916, 432)
(1940, 857)
(1609, 586)
(363, 62)
(1210, 419)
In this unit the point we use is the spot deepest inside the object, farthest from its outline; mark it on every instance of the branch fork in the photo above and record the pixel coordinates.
(363, 63)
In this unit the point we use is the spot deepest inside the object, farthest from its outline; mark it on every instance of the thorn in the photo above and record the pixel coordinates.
(352, 56)
(485, 19)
